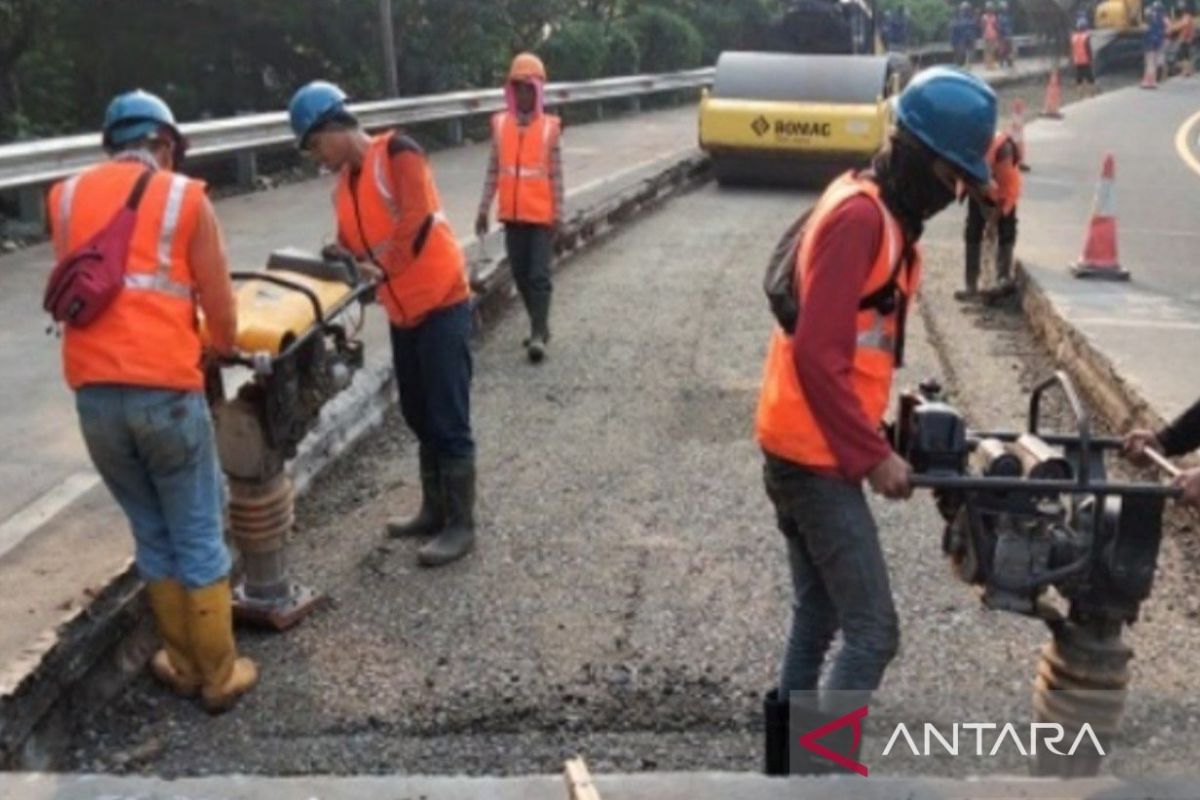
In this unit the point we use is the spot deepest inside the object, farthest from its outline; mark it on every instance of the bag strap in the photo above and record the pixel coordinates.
(139, 189)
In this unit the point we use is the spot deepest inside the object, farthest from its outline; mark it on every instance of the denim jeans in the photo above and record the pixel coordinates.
(155, 450)
(433, 374)
(839, 579)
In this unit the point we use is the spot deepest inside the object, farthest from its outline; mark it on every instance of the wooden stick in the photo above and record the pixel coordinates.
(579, 780)
(1161, 462)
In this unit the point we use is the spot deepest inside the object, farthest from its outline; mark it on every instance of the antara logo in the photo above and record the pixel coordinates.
(854, 720)
(1047, 733)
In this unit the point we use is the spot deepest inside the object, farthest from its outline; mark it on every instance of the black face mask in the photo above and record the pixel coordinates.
(909, 186)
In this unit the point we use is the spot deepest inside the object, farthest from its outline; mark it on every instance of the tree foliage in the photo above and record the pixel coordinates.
(61, 60)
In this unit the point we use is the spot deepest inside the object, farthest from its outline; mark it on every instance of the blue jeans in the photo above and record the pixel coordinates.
(839, 578)
(155, 450)
(433, 374)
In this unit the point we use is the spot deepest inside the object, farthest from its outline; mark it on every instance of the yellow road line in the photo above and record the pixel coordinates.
(1182, 145)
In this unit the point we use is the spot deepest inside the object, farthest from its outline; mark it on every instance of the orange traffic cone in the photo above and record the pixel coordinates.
(1016, 129)
(1051, 108)
(1099, 259)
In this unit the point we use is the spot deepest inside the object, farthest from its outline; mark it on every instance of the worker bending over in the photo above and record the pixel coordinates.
(1180, 437)
(996, 208)
(389, 217)
(139, 386)
(852, 273)
(1081, 57)
(525, 173)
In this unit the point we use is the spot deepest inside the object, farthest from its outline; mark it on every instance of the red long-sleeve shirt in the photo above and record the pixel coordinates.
(826, 336)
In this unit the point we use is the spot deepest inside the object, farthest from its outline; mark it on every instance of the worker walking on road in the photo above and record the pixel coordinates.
(963, 33)
(995, 210)
(990, 26)
(525, 172)
(849, 270)
(139, 387)
(389, 217)
(1007, 50)
(1081, 57)
(1179, 438)
(1154, 42)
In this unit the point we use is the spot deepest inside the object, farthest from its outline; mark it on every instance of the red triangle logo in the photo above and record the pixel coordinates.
(854, 719)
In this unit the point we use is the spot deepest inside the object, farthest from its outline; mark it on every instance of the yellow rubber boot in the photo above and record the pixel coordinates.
(173, 663)
(224, 676)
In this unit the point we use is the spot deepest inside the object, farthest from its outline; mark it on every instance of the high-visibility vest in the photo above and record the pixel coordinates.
(148, 335)
(1187, 28)
(784, 424)
(423, 274)
(524, 185)
(1080, 56)
(1006, 190)
(990, 31)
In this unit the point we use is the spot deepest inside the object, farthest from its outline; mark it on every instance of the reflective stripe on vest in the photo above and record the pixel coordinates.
(524, 184)
(784, 423)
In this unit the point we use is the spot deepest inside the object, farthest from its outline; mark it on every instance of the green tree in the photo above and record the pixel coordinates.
(666, 40)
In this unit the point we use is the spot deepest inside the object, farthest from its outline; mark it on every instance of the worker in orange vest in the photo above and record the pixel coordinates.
(139, 387)
(997, 207)
(989, 26)
(390, 218)
(525, 174)
(854, 270)
(1184, 30)
(1081, 57)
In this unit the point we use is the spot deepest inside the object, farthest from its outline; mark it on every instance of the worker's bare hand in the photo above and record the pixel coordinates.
(890, 478)
(370, 272)
(1189, 481)
(1135, 444)
(481, 225)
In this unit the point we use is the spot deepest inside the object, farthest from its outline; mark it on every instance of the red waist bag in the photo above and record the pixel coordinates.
(88, 279)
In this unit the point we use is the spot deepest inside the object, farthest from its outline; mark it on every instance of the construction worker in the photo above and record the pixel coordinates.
(1081, 57)
(525, 171)
(1184, 30)
(990, 27)
(139, 387)
(1154, 41)
(963, 33)
(1180, 437)
(995, 210)
(826, 387)
(1005, 21)
(390, 219)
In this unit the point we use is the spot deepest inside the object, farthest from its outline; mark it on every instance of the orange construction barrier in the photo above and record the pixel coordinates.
(1099, 258)
(1052, 107)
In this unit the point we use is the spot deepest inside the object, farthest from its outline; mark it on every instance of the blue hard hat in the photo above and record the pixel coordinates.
(135, 115)
(953, 113)
(313, 104)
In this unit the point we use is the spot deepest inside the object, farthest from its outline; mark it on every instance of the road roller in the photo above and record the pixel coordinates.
(297, 338)
(795, 119)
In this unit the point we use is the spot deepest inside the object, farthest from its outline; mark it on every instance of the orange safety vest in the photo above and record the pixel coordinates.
(784, 424)
(1006, 188)
(1080, 56)
(423, 275)
(524, 184)
(148, 336)
(990, 31)
(1187, 29)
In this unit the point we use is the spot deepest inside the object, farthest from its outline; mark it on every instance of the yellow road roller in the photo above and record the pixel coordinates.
(785, 118)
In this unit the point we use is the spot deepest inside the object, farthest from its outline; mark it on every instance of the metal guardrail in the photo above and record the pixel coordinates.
(38, 162)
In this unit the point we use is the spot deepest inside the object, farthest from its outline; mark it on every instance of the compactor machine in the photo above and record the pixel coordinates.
(802, 116)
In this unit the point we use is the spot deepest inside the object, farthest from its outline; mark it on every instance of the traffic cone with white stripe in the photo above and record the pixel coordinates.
(1016, 129)
(1052, 106)
(1099, 258)
(1150, 73)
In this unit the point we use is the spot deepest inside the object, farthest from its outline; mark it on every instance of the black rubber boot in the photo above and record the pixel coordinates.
(458, 537)
(974, 255)
(539, 323)
(1005, 285)
(432, 514)
(775, 734)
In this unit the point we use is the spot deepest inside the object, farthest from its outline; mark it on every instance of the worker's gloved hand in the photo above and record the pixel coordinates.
(1189, 481)
(890, 478)
(1135, 444)
(481, 225)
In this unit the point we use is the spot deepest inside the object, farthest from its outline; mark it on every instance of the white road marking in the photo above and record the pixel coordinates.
(14, 529)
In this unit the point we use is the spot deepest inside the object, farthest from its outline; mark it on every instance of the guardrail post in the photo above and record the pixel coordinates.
(247, 168)
(635, 103)
(454, 131)
(599, 110)
(31, 208)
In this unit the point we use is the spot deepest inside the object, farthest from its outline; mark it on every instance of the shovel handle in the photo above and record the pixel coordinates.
(1161, 462)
